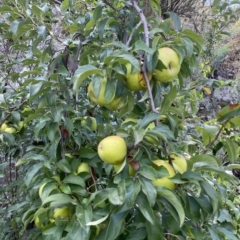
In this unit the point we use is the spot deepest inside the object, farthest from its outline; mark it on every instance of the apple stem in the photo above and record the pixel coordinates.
(144, 66)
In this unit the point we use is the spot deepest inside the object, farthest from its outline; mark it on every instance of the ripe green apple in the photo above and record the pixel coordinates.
(114, 104)
(37, 223)
(131, 170)
(100, 99)
(10, 130)
(165, 181)
(63, 212)
(20, 125)
(149, 127)
(135, 81)
(83, 167)
(171, 61)
(4, 126)
(112, 150)
(179, 163)
(93, 122)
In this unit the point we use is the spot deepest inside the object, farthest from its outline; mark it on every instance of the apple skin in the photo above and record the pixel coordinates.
(164, 181)
(93, 123)
(112, 150)
(135, 81)
(10, 130)
(83, 167)
(179, 163)
(172, 61)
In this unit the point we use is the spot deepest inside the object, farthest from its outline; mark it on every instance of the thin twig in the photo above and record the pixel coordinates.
(131, 36)
(216, 137)
(146, 39)
(110, 5)
(11, 112)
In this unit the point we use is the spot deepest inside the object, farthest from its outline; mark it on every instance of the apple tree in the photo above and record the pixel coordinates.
(95, 143)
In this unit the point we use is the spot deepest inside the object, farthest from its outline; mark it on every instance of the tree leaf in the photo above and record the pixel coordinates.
(82, 73)
(145, 208)
(170, 196)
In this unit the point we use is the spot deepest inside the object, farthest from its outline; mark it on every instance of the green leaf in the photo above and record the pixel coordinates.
(87, 153)
(213, 233)
(94, 223)
(82, 73)
(141, 46)
(148, 172)
(149, 190)
(118, 196)
(97, 13)
(138, 136)
(64, 166)
(176, 21)
(145, 208)
(232, 150)
(73, 179)
(101, 27)
(59, 198)
(210, 191)
(155, 232)
(32, 171)
(170, 196)
(168, 99)
(147, 120)
(204, 159)
(115, 225)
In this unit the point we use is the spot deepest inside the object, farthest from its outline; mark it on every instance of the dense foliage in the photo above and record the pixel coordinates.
(50, 53)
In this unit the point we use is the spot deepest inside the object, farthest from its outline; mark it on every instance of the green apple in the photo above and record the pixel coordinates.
(149, 127)
(135, 81)
(171, 61)
(100, 99)
(93, 125)
(179, 163)
(63, 212)
(165, 181)
(115, 104)
(112, 150)
(37, 223)
(10, 130)
(131, 170)
(20, 125)
(4, 126)
(83, 167)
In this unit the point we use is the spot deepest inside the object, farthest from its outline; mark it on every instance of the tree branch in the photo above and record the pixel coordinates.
(131, 36)
(146, 39)
(1, 123)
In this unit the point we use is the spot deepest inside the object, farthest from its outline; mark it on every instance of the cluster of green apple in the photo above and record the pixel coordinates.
(179, 164)
(9, 129)
(134, 81)
(113, 150)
